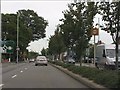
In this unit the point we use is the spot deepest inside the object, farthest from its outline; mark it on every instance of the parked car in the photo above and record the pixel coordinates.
(41, 60)
(87, 60)
(70, 60)
(31, 60)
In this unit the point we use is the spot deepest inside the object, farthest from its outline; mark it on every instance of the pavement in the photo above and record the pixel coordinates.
(81, 79)
(86, 64)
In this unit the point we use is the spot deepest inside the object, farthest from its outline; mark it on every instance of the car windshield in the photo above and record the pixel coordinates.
(41, 57)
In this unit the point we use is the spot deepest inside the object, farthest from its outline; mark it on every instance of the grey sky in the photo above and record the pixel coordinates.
(50, 10)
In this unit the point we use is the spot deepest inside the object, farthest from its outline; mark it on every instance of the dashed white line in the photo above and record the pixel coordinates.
(1, 85)
(14, 76)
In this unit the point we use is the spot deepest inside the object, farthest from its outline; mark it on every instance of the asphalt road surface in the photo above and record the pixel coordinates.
(27, 75)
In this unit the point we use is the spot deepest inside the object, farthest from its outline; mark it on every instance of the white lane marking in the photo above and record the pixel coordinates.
(1, 85)
(21, 71)
(25, 68)
(14, 76)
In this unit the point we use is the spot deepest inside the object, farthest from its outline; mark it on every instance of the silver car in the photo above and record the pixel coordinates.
(41, 60)
(31, 60)
(70, 60)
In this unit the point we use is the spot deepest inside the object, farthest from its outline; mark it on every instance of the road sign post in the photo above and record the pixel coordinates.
(95, 31)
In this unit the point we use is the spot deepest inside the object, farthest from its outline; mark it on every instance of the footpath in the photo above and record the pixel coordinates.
(86, 64)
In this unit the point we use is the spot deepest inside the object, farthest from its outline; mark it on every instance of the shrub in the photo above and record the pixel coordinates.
(107, 78)
(66, 65)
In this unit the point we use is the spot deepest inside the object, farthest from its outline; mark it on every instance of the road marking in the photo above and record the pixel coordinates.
(21, 71)
(25, 68)
(14, 76)
(1, 85)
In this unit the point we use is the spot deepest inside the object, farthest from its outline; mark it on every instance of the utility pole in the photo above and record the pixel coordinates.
(17, 37)
(0, 41)
(99, 28)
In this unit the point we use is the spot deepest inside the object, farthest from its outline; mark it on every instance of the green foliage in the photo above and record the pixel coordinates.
(31, 27)
(44, 52)
(59, 63)
(56, 44)
(32, 55)
(66, 65)
(8, 27)
(77, 24)
(33, 22)
(111, 15)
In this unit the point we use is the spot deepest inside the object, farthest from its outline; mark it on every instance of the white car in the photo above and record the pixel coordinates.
(72, 61)
(41, 60)
(31, 60)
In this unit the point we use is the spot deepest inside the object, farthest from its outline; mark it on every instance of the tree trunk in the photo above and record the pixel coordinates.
(80, 62)
(116, 53)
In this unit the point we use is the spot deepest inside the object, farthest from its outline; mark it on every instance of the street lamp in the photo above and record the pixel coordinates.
(18, 14)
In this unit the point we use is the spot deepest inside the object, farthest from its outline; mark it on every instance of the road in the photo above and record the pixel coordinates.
(27, 75)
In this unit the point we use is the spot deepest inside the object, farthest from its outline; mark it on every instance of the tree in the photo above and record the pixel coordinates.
(56, 44)
(33, 22)
(43, 52)
(111, 17)
(77, 24)
(9, 27)
(31, 27)
(32, 54)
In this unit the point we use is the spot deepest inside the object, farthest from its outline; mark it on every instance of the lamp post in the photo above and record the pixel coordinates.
(17, 36)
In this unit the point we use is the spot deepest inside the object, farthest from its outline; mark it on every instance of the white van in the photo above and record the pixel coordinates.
(105, 55)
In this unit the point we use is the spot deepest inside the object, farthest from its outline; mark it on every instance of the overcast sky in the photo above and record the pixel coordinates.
(50, 10)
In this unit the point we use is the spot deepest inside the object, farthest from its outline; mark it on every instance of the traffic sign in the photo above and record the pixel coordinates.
(8, 46)
(4, 49)
(95, 31)
(1, 49)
